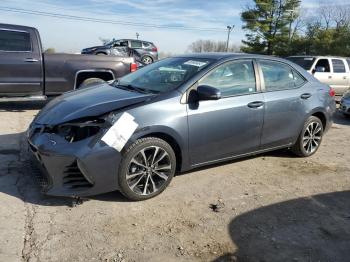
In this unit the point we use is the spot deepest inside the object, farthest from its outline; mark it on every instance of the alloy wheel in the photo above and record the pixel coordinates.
(147, 60)
(312, 137)
(148, 170)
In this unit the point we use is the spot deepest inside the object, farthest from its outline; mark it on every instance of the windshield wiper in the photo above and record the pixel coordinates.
(134, 88)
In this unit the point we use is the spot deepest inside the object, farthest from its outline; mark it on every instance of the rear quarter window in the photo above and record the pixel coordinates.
(12, 41)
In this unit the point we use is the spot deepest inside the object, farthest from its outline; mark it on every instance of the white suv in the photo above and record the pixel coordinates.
(333, 71)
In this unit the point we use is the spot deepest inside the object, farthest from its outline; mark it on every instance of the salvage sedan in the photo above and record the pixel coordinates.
(175, 115)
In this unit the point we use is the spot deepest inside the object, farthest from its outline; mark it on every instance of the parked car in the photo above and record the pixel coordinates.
(26, 73)
(344, 106)
(175, 115)
(333, 71)
(144, 51)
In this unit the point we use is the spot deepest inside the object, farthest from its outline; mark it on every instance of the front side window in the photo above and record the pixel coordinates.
(233, 78)
(338, 66)
(279, 76)
(322, 66)
(165, 75)
(14, 41)
(136, 44)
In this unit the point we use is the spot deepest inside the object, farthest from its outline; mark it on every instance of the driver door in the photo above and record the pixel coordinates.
(229, 126)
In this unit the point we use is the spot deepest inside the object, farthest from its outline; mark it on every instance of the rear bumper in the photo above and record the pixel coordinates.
(82, 168)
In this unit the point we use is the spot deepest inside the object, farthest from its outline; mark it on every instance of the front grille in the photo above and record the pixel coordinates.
(40, 178)
(73, 177)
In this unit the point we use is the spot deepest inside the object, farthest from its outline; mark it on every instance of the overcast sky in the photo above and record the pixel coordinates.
(71, 36)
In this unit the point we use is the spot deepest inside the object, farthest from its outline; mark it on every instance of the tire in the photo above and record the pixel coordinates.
(91, 82)
(101, 54)
(305, 146)
(137, 180)
(147, 60)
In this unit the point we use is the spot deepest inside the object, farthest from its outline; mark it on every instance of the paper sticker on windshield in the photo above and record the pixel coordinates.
(195, 63)
(118, 135)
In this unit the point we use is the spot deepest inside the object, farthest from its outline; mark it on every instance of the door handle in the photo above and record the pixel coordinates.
(344, 77)
(305, 96)
(255, 104)
(31, 60)
(329, 77)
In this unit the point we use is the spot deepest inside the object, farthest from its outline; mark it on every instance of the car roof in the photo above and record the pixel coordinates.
(317, 56)
(16, 27)
(222, 55)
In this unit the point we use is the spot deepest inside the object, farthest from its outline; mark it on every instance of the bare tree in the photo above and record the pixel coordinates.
(202, 46)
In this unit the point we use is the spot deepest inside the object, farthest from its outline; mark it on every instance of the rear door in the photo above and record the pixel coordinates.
(286, 96)
(340, 81)
(20, 63)
(229, 126)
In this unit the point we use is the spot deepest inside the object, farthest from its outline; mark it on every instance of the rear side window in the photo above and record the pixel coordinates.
(136, 44)
(338, 66)
(146, 45)
(14, 41)
(279, 76)
(232, 78)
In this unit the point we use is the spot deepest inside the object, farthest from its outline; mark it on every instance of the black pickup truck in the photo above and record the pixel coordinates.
(26, 73)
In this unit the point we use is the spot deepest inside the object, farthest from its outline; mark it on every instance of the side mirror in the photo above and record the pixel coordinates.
(319, 69)
(205, 92)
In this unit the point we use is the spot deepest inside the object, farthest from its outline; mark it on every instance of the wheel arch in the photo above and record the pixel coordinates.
(170, 136)
(172, 142)
(82, 75)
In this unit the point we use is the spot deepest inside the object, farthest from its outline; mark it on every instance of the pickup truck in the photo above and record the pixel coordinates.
(333, 71)
(27, 73)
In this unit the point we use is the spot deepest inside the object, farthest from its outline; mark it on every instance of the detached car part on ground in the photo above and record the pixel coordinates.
(175, 115)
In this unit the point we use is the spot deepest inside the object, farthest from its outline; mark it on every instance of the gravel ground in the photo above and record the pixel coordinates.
(272, 207)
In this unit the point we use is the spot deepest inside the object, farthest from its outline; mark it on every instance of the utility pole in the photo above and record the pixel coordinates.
(137, 35)
(229, 30)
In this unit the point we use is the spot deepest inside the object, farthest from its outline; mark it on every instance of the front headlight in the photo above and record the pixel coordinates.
(79, 130)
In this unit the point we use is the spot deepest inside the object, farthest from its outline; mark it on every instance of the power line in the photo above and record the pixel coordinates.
(106, 21)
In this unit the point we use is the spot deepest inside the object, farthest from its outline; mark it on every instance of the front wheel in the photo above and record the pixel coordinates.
(147, 168)
(310, 138)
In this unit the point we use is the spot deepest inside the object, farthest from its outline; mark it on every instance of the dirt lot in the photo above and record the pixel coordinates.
(272, 207)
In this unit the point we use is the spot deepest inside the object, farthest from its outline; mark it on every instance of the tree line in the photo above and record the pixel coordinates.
(283, 28)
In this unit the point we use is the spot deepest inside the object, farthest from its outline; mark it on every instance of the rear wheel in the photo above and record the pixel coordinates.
(91, 82)
(147, 168)
(310, 138)
(147, 60)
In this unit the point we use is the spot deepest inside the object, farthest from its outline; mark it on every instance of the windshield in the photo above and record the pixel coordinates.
(304, 62)
(165, 75)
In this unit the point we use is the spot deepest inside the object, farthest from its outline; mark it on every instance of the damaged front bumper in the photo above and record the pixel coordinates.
(82, 168)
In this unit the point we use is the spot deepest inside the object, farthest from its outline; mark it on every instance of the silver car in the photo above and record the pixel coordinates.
(175, 115)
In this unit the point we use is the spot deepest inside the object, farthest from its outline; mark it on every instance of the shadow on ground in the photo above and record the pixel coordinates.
(315, 228)
(22, 106)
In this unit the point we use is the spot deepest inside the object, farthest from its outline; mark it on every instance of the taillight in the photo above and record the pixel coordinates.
(133, 67)
(154, 49)
(331, 92)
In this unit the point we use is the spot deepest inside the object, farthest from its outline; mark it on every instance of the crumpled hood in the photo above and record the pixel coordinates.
(93, 101)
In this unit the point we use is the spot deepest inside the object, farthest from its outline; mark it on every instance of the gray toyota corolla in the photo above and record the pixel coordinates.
(174, 115)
